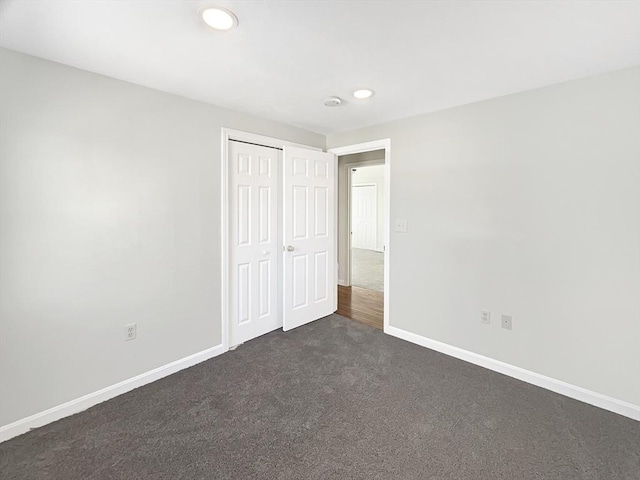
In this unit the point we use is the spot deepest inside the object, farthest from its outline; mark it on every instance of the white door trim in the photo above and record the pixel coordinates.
(226, 135)
(368, 147)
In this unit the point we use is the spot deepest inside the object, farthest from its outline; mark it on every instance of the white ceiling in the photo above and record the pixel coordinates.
(285, 57)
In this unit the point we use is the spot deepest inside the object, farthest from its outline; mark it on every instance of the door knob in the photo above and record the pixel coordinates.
(290, 248)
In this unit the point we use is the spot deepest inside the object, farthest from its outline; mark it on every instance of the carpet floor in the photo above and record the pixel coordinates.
(367, 269)
(331, 400)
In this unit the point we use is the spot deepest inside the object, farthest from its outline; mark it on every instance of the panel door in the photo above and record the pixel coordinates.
(364, 216)
(309, 236)
(255, 245)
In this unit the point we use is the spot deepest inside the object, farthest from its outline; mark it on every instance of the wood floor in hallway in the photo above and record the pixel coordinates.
(362, 305)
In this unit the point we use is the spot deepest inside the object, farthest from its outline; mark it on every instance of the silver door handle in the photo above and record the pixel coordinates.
(290, 248)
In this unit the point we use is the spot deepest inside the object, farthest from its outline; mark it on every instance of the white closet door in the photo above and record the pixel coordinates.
(309, 236)
(254, 243)
(364, 216)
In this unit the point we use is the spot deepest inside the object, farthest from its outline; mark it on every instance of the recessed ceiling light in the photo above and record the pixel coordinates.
(363, 93)
(219, 18)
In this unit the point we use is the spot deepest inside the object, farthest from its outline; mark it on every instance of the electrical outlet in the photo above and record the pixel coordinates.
(485, 317)
(130, 331)
(506, 321)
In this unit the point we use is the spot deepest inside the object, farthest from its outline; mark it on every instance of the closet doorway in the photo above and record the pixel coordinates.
(278, 235)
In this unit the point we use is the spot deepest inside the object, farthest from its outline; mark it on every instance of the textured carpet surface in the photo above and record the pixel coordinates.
(331, 400)
(367, 269)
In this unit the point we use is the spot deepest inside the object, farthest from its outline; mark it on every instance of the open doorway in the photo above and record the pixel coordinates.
(368, 218)
(363, 233)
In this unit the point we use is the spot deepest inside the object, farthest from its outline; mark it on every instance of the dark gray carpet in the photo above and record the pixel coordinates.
(332, 400)
(367, 269)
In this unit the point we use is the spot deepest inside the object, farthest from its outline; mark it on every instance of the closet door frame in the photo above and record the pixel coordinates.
(226, 135)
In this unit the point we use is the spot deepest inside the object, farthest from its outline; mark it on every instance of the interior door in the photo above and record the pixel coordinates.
(309, 236)
(364, 216)
(255, 243)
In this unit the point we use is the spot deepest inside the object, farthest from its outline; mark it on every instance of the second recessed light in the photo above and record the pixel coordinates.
(363, 93)
(219, 18)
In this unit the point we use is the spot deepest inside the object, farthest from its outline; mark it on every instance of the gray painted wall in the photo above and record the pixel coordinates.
(110, 214)
(528, 205)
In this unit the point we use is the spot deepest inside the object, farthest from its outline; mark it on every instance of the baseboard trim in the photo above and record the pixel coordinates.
(79, 404)
(342, 283)
(563, 388)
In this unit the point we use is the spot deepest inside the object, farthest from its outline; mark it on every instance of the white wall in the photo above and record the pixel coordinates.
(527, 204)
(345, 162)
(374, 174)
(110, 214)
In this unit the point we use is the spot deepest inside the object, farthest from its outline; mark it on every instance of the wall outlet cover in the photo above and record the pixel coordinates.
(485, 317)
(130, 331)
(506, 321)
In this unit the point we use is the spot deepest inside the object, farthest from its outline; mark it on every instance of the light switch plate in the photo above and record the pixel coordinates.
(401, 226)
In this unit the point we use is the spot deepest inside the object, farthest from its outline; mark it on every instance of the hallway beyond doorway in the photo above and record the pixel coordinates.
(362, 305)
(367, 269)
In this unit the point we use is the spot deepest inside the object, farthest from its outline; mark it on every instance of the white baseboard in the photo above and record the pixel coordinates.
(578, 393)
(342, 282)
(79, 404)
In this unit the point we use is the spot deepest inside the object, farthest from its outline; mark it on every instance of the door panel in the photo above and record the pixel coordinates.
(322, 211)
(299, 280)
(254, 243)
(244, 293)
(321, 269)
(309, 234)
(299, 200)
(264, 234)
